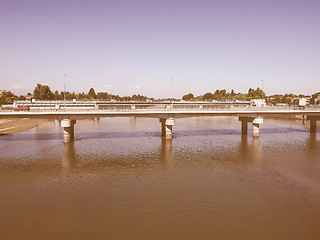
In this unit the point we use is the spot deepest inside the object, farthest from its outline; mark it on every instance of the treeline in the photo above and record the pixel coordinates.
(293, 98)
(9, 97)
(43, 92)
(223, 95)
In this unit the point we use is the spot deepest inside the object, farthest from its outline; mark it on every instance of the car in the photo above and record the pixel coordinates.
(24, 108)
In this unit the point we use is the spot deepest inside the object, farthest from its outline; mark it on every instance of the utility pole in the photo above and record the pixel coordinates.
(262, 89)
(64, 95)
(172, 90)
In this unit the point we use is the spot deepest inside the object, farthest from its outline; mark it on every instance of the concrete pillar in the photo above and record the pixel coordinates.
(166, 127)
(169, 124)
(255, 130)
(168, 132)
(244, 123)
(313, 125)
(255, 126)
(68, 130)
(163, 126)
(244, 127)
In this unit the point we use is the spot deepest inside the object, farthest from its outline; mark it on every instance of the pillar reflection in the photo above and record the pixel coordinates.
(96, 121)
(256, 150)
(69, 157)
(166, 156)
(312, 144)
(57, 123)
(250, 153)
(133, 123)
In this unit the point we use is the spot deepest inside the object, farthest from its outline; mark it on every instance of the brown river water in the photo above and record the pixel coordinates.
(121, 180)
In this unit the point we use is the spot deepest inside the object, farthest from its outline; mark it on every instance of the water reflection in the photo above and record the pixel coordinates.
(133, 123)
(166, 156)
(207, 178)
(96, 121)
(57, 123)
(251, 153)
(312, 144)
(69, 157)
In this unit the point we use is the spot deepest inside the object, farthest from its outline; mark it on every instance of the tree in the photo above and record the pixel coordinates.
(22, 97)
(251, 92)
(187, 97)
(92, 94)
(208, 96)
(56, 95)
(7, 97)
(43, 92)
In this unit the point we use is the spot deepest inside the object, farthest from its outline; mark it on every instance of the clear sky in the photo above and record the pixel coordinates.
(130, 47)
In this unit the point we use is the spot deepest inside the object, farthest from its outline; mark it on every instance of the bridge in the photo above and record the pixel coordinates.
(167, 117)
(130, 105)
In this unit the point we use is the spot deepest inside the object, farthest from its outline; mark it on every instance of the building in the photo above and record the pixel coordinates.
(258, 102)
(28, 97)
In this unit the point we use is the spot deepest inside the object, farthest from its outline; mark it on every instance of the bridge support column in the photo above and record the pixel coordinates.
(68, 130)
(166, 127)
(255, 126)
(313, 122)
(163, 126)
(244, 127)
(256, 121)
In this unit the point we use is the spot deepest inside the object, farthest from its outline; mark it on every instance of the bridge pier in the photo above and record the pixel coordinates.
(256, 122)
(68, 130)
(313, 122)
(166, 127)
(244, 127)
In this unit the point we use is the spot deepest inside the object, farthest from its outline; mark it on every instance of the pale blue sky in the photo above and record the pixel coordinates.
(130, 47)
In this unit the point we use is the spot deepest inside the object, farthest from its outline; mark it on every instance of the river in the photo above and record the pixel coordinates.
(121, 180)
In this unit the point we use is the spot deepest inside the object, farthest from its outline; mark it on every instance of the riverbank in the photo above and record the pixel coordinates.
(10, 126)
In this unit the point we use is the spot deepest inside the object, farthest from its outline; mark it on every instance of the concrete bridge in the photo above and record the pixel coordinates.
(166, 117)
(125, 105)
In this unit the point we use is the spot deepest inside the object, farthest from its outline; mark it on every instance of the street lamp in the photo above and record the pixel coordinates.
(64, 95)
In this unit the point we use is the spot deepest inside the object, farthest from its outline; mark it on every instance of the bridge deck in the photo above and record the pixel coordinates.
(153, 113)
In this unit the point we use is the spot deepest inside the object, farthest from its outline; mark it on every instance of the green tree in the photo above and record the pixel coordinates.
(187, 97)
(22, 97)
(56, 95)
(7, 97)
(208, 96)
(43, 92)
(92, 94)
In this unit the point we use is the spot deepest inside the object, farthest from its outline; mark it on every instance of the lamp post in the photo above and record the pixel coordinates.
(64, 95)
(172, 91)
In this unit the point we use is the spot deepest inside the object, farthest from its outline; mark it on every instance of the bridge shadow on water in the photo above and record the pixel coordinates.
(140, 134)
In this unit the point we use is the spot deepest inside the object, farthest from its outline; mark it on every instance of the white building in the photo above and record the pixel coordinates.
(258, 102)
